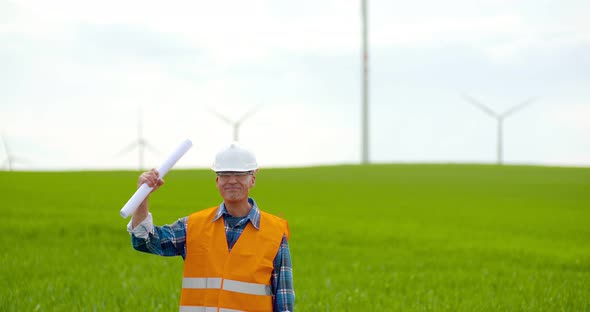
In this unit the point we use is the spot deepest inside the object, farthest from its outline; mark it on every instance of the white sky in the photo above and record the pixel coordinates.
(73, 75)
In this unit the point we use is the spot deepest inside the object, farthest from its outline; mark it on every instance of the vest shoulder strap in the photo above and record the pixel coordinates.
(281, 224)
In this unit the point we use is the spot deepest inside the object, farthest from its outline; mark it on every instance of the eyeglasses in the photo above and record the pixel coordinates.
(234, 173)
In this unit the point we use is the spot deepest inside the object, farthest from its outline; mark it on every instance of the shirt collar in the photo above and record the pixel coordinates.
(253, 215)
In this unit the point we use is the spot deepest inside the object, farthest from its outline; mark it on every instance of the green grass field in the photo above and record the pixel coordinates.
(363, 238)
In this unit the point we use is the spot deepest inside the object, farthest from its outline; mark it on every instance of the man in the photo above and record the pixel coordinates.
(222, 273)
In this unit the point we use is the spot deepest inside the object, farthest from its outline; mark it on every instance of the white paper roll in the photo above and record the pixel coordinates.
(144, 190)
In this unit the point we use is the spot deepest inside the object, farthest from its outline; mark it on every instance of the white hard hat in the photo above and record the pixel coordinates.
(234, 158)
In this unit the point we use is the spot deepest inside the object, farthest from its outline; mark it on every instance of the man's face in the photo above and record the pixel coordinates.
(235, 186)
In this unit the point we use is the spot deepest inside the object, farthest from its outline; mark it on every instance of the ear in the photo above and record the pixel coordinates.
(253, 182)
(216, 179)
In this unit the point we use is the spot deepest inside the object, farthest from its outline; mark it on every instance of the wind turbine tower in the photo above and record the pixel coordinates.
(365, 81)
(236, 123)
(499, 118)
(141, 143)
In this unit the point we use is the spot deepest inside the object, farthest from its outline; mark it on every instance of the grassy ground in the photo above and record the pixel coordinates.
(363, 238)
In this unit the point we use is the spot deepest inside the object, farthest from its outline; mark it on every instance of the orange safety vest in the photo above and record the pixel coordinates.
(216, 279)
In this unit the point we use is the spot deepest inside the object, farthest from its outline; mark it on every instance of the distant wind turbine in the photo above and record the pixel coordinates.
(236, 123)
(499, 117)
(10, 159)
(141, 143)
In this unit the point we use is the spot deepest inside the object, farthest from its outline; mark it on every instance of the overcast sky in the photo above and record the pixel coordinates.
(74, 74)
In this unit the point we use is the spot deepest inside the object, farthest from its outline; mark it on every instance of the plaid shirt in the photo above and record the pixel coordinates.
(169, 240)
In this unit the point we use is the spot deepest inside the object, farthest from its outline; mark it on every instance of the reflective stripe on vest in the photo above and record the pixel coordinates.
(230, 285)
(205, 309)
(201, 282)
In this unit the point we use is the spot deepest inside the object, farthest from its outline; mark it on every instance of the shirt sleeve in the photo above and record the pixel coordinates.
(166, 240)
(282, 280)
(143, 229)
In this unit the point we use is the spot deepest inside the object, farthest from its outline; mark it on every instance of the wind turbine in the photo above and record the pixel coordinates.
(141, 143)
(10, 159)
(499, 118)
(236, 123)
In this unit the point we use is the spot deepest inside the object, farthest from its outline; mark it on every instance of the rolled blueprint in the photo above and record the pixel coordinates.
(144, 190)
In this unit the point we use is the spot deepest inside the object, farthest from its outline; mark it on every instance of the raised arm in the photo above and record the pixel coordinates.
(152, 178)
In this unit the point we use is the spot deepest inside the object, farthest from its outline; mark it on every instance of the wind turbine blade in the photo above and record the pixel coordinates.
(250, 113)
(5, 145)
(151, 148)
(518, 107)
(139, 123)
(482, 107)
(222, 117)
(20, 160)
(127, 149)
